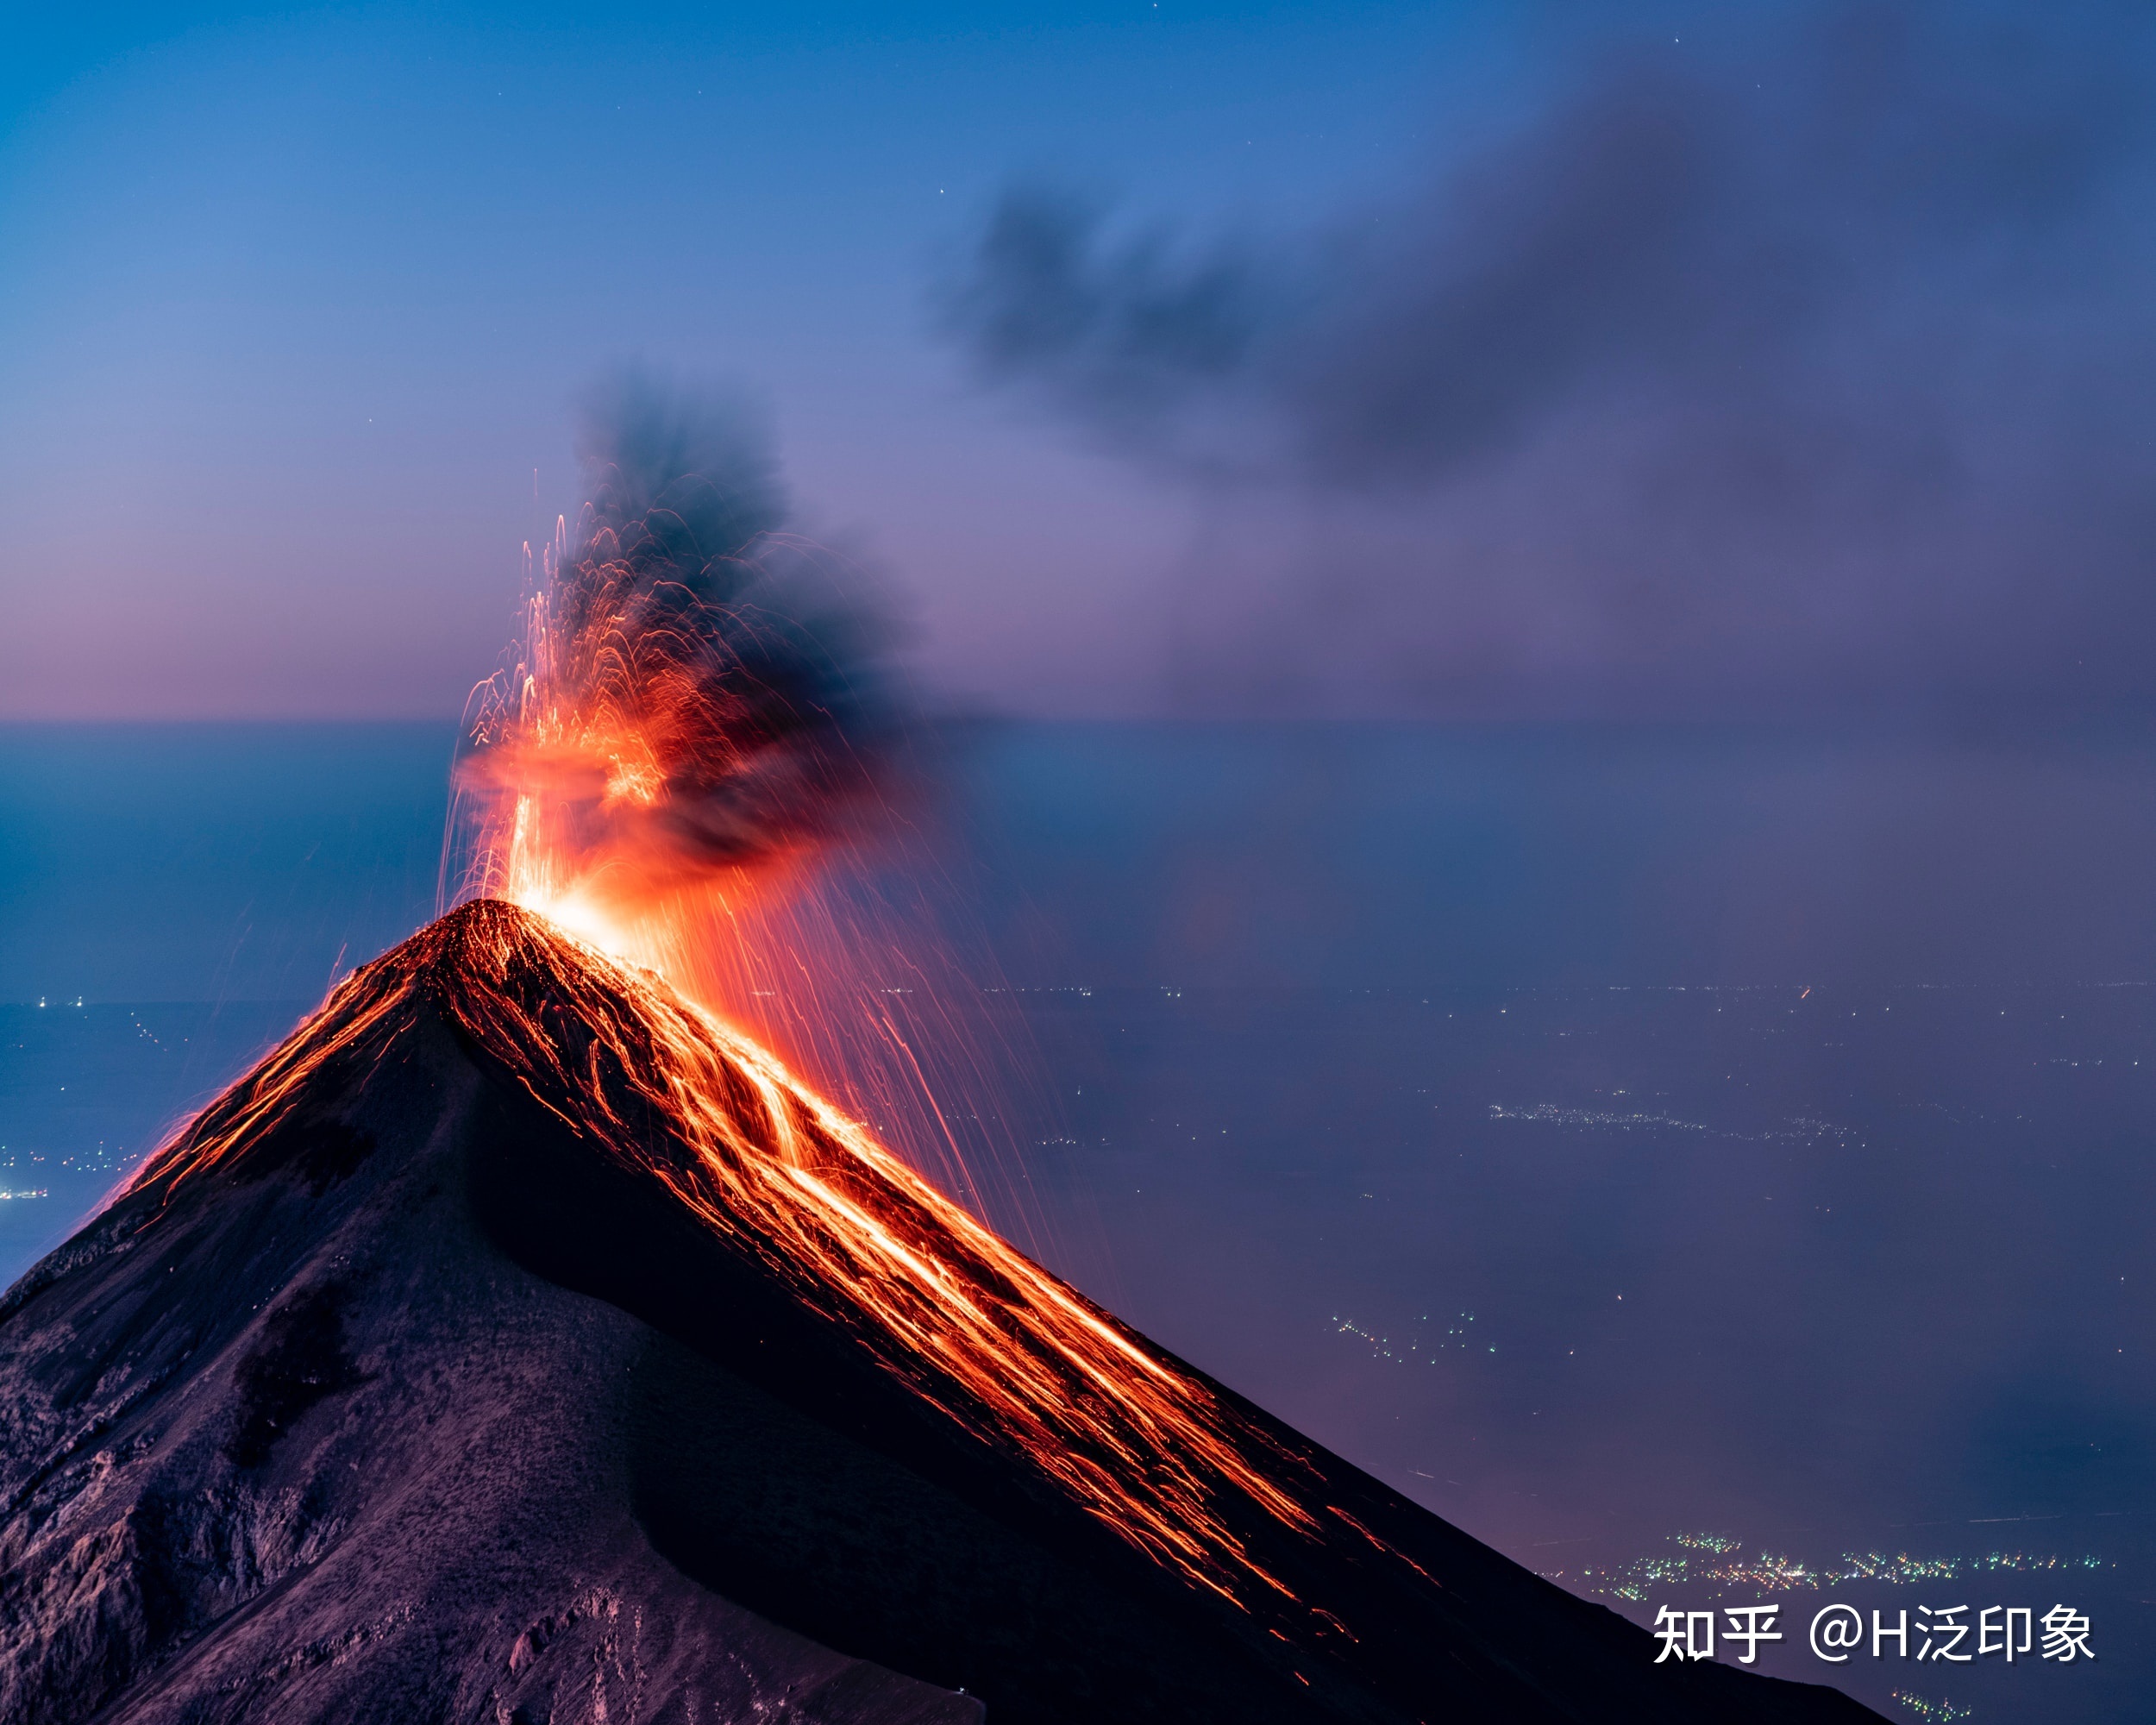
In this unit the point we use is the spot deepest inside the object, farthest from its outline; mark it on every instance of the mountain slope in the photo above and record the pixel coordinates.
(514, 1345)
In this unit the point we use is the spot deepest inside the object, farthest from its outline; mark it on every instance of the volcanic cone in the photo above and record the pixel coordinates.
(519, 1344)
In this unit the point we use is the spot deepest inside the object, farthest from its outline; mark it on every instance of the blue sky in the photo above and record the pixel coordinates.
(295, 306)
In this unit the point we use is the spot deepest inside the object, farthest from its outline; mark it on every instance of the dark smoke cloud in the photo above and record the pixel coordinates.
(1810, 369)
(714, 686)
(690, 476)
(760, 671)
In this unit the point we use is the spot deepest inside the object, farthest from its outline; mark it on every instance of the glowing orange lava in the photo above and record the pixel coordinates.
(999, 1345)
(663, 761)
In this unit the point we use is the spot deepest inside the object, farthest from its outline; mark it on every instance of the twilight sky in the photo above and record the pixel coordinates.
(1537, 361)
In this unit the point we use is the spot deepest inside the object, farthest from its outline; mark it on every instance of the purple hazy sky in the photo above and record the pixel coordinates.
(1521, 362)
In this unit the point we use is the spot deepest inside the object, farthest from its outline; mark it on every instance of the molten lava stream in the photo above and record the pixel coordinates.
(997, 1343)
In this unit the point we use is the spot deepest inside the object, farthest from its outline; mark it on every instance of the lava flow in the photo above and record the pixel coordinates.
(999, 1344)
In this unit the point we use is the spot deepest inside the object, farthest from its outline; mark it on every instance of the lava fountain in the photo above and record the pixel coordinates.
(690, 720)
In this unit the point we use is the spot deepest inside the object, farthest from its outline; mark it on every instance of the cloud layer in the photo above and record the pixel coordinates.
(1800, 370)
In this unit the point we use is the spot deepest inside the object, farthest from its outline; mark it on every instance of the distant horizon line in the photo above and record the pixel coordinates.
(1460, 994)
(1948, 723)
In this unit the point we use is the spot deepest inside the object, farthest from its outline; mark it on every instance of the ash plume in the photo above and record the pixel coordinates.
(1795, 357)
(699, 690)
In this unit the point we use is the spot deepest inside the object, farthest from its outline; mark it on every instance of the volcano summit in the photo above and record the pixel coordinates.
(519, 1344)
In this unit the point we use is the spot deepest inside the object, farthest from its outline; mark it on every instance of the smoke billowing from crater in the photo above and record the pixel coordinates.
(698, 693)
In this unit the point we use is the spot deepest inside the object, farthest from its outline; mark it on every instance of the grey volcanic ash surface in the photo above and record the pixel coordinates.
(391, 1393)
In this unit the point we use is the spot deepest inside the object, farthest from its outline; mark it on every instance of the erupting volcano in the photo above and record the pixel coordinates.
(524, 1340)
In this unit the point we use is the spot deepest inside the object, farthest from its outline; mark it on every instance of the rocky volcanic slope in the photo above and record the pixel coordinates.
(415, 1405)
